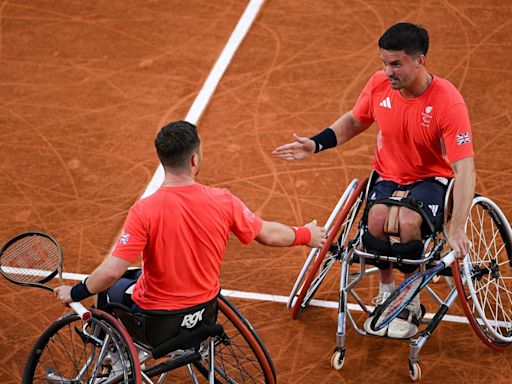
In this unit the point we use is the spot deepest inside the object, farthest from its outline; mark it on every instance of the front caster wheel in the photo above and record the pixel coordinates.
(337, 359)
(415, 371)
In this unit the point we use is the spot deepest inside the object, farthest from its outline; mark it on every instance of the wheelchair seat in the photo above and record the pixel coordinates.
(404, 256)
(165, 331)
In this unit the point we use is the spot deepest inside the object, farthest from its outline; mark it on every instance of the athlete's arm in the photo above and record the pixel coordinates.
(280, 235)
(106, 274)
(463, 192)
(345, 128)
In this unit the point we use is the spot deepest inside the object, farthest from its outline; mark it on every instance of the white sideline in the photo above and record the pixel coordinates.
(213, 80)
(284, 299)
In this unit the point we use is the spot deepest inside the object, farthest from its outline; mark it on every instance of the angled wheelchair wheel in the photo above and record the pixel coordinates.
(312, 275)
(72, 351)
(484, 278)
(240, 355)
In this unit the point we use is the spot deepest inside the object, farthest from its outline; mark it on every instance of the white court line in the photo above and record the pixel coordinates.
(210, 85)
(26, 271)
(284, 299)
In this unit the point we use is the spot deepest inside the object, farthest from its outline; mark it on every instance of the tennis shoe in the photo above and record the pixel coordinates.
(378, 300)
(406, 324)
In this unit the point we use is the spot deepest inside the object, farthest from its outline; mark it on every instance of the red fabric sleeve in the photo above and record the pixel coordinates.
(362, 110)
(133, 239)
(457, 135)
(245, 225)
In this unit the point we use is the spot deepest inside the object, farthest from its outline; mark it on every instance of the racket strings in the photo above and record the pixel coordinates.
(30, 259)
(399, 302)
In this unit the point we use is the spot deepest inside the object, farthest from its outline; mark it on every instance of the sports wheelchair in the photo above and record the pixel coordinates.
(214, 343)
(482, 279)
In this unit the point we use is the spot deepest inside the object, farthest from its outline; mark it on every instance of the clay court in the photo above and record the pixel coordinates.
(85, 86)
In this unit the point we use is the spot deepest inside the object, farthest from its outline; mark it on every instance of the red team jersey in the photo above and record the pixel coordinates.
(418, 138)
(181, 233)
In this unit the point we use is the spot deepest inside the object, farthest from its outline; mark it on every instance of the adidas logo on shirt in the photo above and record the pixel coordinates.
(386, 103)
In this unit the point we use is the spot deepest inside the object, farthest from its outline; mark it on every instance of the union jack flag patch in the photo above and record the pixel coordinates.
(124, 238)
(463, 139)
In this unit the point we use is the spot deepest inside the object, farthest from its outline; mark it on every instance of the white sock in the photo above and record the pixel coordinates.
(415, 302)
(386, 287)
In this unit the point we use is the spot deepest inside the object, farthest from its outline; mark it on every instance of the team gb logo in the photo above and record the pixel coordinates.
(426, 116)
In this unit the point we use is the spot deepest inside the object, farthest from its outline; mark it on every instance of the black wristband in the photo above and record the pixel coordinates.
(324, 140)
(80, 292)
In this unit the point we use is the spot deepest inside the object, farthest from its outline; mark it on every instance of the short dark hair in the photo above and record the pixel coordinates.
(408, 37)
(175, 143)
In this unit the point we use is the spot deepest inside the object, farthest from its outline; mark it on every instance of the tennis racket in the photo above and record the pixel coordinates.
(403, 295)
(32, 259)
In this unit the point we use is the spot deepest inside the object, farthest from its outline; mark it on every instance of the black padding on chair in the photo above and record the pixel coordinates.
(376, 246)
(412, 250)
(156, 328)
(187, 339)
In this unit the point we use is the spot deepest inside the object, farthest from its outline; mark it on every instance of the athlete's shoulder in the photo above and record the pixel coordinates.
(219, 195)
(446, 91)
(379, 79)
(145, 204)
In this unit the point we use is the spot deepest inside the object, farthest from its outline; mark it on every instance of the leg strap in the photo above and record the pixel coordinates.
(411, 250)
(377, 247)
(374, 245)
(391, 226)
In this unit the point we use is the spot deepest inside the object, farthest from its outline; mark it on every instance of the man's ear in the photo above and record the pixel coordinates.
(194, 160)
(420, 60)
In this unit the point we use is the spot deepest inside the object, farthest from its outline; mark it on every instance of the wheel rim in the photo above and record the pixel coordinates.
(240, 356)
(342, 225)
(73, 351)
(486, 296)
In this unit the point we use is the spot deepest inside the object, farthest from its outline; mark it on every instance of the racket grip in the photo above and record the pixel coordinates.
(81, 311)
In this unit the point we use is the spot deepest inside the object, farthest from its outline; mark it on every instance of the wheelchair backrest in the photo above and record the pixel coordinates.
(153, 328)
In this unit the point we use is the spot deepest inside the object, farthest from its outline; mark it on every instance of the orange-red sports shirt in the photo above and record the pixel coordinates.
(418, 138)
(181, 233)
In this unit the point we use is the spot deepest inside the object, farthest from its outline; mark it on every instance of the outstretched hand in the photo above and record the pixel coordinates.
(300, 148)
(318, 236)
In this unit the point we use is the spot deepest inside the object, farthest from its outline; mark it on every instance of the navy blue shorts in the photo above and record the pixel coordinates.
(429, 194)
(116, 293)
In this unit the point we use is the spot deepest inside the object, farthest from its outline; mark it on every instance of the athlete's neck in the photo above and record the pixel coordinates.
(418, 87)
(178, 180)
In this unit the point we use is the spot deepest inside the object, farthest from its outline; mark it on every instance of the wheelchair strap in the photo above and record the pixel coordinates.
(391, 226)
(404, 202)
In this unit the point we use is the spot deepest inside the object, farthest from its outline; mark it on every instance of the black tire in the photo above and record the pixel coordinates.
(63, 351)
(240, 355)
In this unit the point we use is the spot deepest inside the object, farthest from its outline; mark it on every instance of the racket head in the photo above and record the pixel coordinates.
(397, 301)
(31, 259)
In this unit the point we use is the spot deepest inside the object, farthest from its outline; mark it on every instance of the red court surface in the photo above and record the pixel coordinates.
(85, 85)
